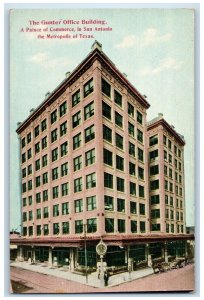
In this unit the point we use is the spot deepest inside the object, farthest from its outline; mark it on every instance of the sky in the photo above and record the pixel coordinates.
(154, 47)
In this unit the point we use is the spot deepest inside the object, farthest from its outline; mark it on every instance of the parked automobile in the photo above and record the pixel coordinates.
(178, 263)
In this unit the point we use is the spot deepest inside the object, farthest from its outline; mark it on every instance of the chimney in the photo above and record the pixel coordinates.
(47, 95)
(96, 45)
(67, 74)
(18, 124)
(160, 115)
(125, 75)
(32, 110)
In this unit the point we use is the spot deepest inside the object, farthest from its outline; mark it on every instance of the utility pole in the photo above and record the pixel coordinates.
(85, 253)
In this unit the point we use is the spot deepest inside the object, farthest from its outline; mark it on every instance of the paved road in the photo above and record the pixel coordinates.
(24, 281)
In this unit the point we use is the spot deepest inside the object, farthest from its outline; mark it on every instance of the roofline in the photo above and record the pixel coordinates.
(85, 64)
(168, 127)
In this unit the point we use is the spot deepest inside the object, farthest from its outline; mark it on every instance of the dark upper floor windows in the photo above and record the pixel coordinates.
(139, 117)
(131, 110)
(107, 133)
(76, 98)
(118, 119)
(89, 133)
(76, 119)
(117, 98)
(106, 110)
(88, 88)
(53, 116)
(23, 142)
(63, 108)
(89, 111)
(106, 88)
(43, 125)
(107, 157)
(153, 140)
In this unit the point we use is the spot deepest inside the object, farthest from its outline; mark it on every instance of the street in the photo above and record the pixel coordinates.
(24, 281)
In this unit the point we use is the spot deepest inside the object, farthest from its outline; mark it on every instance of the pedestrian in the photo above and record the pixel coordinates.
(106, 277)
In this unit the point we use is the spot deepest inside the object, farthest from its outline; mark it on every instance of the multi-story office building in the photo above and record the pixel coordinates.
(84, 165)
(166, 177)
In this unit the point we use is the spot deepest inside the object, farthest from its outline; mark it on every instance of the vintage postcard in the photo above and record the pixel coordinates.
(102, 150)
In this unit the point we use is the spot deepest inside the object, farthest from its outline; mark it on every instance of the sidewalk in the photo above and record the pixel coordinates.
(93, 280)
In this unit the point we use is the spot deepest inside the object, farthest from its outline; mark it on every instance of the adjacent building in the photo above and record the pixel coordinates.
(93, 169)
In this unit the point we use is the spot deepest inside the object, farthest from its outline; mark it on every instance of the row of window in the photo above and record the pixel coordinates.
(154, 170)
(91, 227)
(169, 214)
(153, 140)
(168, 186)
(89, 134)
(169, 200)
(153, 155)
(169, 228)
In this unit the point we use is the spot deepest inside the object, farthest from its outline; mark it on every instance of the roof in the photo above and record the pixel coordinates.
(161, 121)
(95, 54)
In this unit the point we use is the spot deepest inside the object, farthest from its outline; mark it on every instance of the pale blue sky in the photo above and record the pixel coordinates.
(154, 47)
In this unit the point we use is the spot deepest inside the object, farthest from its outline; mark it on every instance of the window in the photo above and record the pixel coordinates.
(117, 98)
(133, 207)
(28, 137)
(171, 201)
(91, 181)
(153, 155)
(107, 134)
(133, 226)
(45, 177)
(65, 227)
(139, 117)
(180, 179)
(106, 88)
(45, 195)
(24, 187)
(24, 202)
(119, 141)
(76, 119)
(46, 229)
(78, 185)
(165, 155)
(175, 150)
(54, 173)
(140, 173)
(65, 189)
(167, 227)
(79, 226)
(153, 140)
(64, 169)
(177, 190)
(181, 216)
(37, 147)
(120, 205)
(44, 142)
(177, 215)
(154, 185)
(30, 185)
(130, 110)
(89, 134)
(139, 136)
(53, 116)
(170, 158)
(120, 184)
(24, 173)
(179, 166)
(77, 141)
(77, 163)
(91, 203)
(170, 186)
(108, 201)
(43, 125)
(118, 119)
(38, 197)
(23, 158)
(76, 98)
(24, 216)
(170, 173)
(109, 225)
(141, 191)
(90, 157)
(38, 213)
(132, 188)
(107, 157)
(45, 212)
(37, 131)
(63, 149)
(106, 110)
(65, 208)
(78, 205)
(167, 213)
(179, 153)
(37, 165)
(131, 129)
(44, 160)
(155, 199)
(29, 153)
(38, 227)
(154, 170)
(155, 227)
(108, 180)
(63, 108)
(140, 154)
(164, 139)
(89, 111)
(88, 88)
(54, 135)
(132, 169)
(23, 142)
(180, 192)
(30, 200)
(172, 214)
(121, 225)
(56, 210)
(55, 192)
(30, 230)
(119, 163)
(165, 170)
(55, 154)
(155, 213)
(142, 227)
(131, 149)
(169, 144)
(166, 185)
(55, 228)
(91, 225)
(63, 128)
